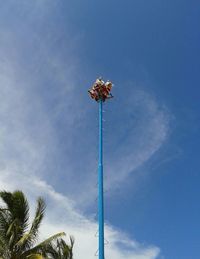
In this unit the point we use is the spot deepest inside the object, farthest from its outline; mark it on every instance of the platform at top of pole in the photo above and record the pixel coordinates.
(100, 90)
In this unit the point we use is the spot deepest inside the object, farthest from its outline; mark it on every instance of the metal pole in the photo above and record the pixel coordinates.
(100, 185)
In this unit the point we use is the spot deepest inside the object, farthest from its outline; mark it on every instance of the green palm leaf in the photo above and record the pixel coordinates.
(18, 240)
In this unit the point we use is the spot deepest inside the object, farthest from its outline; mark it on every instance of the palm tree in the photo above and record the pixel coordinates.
(18, 237)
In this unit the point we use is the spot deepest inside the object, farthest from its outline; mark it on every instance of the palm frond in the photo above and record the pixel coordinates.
(16, 241)
(43, 245)
(28, 239)
(35, 256)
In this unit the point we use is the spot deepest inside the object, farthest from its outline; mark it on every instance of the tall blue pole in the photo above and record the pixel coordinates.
(100, 185)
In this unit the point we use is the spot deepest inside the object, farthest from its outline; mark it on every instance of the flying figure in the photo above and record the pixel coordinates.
(101, 90)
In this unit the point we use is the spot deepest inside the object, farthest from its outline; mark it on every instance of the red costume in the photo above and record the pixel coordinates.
(101, 90)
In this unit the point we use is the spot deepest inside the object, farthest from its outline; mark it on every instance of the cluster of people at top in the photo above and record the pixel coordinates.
(101, 90)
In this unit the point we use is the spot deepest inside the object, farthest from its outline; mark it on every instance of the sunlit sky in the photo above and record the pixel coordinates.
(51, 51)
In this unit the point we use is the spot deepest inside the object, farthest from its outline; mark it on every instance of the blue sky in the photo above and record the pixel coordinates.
(50, 54)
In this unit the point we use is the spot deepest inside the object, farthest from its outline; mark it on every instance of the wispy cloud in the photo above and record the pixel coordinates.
(46, 148)
(28, 141)
(142, 130)
(63, 216)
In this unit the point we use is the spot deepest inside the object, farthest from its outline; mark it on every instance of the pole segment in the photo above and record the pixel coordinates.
(100, 185)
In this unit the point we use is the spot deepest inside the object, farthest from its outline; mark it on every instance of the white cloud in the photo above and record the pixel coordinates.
(24, 151)
(62, 216)
(43, 110)
(38, 92)
(143, 130)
